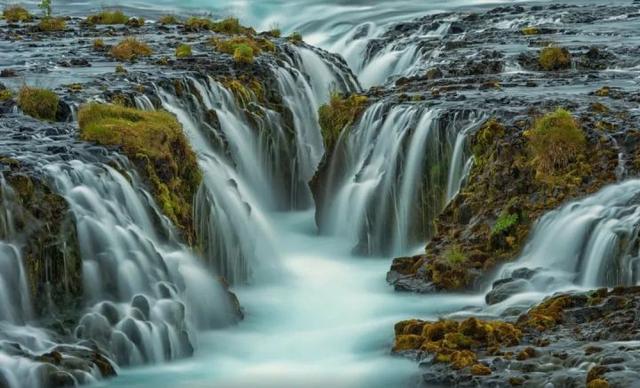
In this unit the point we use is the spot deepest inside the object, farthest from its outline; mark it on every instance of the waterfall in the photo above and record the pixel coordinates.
(388, 177)
(589, 243)
(256, 158)
(148, 293)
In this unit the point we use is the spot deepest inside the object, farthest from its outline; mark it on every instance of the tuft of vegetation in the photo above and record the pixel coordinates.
(229, 46)
(504, 223)
(556, 140)
(554, 58)
(245, 90)
(45, 6)
(130, 49)
(183, 51)
(108, 18)
(530, 31)
(274, 32)
(6, 95)
(229, 26)
(135, 22)
(194, 24)
(155, 143)
(455, 256)
(39, 103)
(168, 20)
(296, 37)
(243, 54)
(49, 24)
(15, 14)
(340, 113)
(120, 69)
(98, 45)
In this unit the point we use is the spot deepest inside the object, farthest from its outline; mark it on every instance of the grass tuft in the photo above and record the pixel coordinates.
(130, 49)
(39, 103)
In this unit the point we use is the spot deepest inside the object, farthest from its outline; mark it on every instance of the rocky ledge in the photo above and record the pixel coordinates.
(569, 340)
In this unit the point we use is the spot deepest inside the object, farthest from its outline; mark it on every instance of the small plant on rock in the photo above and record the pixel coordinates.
(183, 51)
(130, 49)
(554, 58)
(45, 6)
(556, 140)
(15, 14)
(244, 54)
(49, 24)
(39, 103)
(296, 37)
(108, 18)
(338, 114)
(455, 256)
(168, 20)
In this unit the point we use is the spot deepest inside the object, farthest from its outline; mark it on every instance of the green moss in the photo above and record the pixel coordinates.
(243, 53)
(15, 13)
(530, 31)
(245, 90)
(108, 17)
(555, 140)
(39, 103)
(183, 51)
(120, 69)
(230, 46)
(98, 45)
(338, 114)
(554, 58)
(6, 95)
(505, 222)
(156, 144)
(229, 26)
(275, 32)
(52, 24)
(168, 20)
(296, 37)
(130, 49)
(455, 256)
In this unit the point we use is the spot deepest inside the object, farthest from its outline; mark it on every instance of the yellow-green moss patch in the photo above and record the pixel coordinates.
(338, 114)
(183, 51)
(554, 58)
(52, 24)
(6, 94)
(168, 20)
(130, 49)
(39, 103)
(155, 143)
(530, 31)
(15, 13)
(556, 140)
(108, 17)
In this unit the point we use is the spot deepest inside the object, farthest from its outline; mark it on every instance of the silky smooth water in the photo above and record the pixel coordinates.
(328, 321)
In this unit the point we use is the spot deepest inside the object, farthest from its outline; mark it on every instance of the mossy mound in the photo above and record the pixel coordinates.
(15, 14)
(456, 343)
(130, 49)
(183, 51)
(340, 113)
(229, 26)
(50, 24)
(248, 47)
(554, 58)
(108, 18)
(51, 253)
(508, 189)
(556, 141)
(39, 103)
(155, 143)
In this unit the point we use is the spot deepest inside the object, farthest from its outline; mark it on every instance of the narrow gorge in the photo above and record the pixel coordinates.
(294, 193)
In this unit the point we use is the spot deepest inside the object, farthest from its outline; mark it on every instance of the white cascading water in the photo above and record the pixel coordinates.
(245, 177)
(390, 174)
(149, 293)
(586, 244)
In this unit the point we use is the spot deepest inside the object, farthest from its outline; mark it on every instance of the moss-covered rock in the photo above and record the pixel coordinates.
(130, 49)
(39, 103)
(507, 191)
(554, 58)
(339, 113)
(108, 17)
(50, 24)
(183, 51)
(15, 14)
(155, 143)
(50, 247)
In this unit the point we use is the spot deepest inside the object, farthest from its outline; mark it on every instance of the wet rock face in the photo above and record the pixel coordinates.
(567, 340)
(48, 235)
(498, 65)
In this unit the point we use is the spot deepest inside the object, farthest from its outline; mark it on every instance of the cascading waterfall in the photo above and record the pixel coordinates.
(586, 244)
(254, 160)
(149, 294)
(388, 176)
